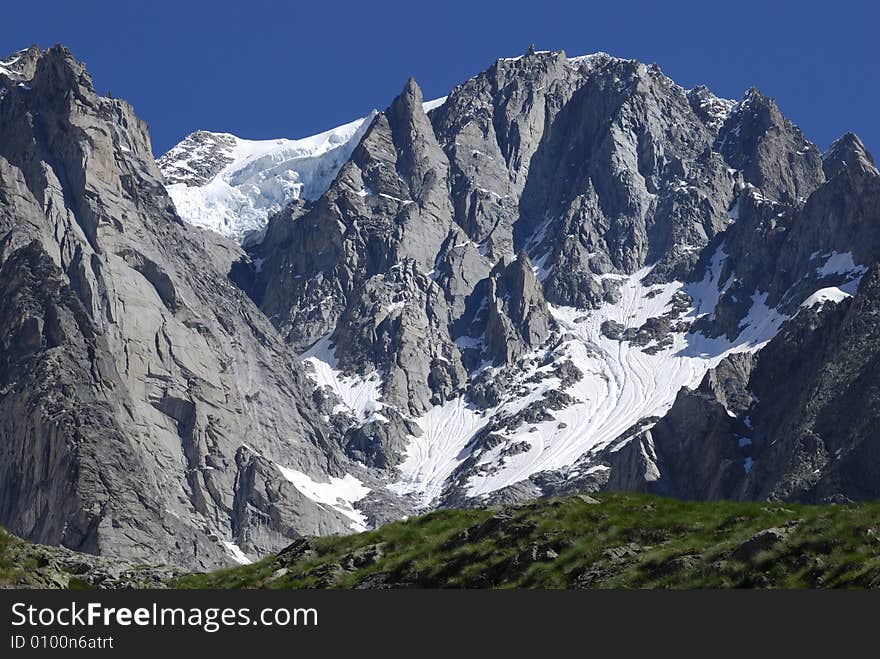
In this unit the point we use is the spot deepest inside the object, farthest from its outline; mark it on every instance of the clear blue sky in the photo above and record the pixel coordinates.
(264, 69)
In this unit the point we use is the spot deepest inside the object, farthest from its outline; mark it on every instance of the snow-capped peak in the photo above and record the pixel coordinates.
(231, 185)
(228, 184)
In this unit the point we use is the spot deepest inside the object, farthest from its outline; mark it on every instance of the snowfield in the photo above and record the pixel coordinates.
(621, 385)
(431, 458)
(262, 177)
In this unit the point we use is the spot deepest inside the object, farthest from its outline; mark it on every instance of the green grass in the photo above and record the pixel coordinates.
(625, 541)
(13, 560)
(75, 583)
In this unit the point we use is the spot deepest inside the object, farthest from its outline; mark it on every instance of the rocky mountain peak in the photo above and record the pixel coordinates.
(420, 160)
(135, 335)
(518, 318)
(542, 59)
(711, 109)
(56, 68)
(411, 95)
(197, 159)
(847, 151)
(754, 135)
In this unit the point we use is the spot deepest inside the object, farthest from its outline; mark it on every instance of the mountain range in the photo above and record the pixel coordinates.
(568, 275)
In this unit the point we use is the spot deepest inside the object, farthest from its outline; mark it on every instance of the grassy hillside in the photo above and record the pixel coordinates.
(13, 562)
(606, 541)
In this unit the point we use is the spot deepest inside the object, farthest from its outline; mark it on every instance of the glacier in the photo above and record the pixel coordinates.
(621, 385)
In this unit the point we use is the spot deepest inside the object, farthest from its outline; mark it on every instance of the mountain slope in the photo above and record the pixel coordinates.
(601, 541)
(147, 406)
(662, 230)
(796, 421)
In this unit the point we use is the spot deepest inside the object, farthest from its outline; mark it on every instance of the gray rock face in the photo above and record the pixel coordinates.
(398, 323)
(788, 251)
(752, 139)
(638, 183)
(55, 364)
(355, 266)
(380, 443)
(517, 319)
(823, 446)
(133, 370)
(699, 449)
(846, 152)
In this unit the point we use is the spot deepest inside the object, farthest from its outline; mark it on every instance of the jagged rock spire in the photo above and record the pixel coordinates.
(847, 151)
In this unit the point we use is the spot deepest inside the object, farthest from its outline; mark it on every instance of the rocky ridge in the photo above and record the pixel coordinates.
(581, 222)
(147, 406)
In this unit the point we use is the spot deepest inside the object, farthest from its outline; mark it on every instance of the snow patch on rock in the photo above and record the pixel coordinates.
(832, 294)
(839, 264)
(236, 553)
(340, 494)
(361, 397)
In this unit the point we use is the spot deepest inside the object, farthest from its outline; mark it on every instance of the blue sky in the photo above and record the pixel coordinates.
(264, 69)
